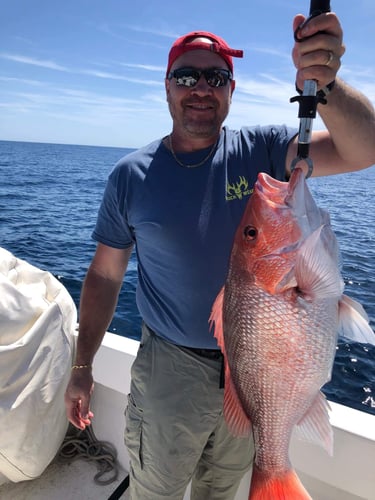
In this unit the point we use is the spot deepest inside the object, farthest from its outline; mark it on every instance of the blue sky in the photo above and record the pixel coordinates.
(91, 71)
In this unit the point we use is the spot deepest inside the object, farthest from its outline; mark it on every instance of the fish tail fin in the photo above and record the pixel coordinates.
(268, 486)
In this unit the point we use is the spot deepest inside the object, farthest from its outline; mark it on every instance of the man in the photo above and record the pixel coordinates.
(180, 200)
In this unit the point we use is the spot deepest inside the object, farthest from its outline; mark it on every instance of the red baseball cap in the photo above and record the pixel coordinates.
(186, 43)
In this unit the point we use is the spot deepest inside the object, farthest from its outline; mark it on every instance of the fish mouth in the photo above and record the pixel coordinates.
(270, 190)
(269, 184)
(281, 193)
(292, 194)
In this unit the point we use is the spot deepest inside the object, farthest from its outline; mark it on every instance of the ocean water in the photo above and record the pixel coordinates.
(49, 197)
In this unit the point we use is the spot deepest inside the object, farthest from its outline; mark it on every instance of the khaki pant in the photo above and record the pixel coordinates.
(175, 430)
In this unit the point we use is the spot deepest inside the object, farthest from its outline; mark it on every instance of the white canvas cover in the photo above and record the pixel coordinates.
(37, 321)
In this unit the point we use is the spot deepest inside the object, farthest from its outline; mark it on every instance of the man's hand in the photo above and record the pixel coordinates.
(77, 397)
(317, 54)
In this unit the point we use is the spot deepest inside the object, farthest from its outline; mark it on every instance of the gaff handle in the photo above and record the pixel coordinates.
(319, 6)
(309, 100)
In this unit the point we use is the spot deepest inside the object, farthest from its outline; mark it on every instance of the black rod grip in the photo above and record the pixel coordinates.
(319, 6)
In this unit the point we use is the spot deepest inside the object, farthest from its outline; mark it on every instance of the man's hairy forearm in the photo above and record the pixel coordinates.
(350, 118)
(98, 303)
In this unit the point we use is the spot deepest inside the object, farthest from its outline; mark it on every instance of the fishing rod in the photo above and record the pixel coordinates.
(309, 98)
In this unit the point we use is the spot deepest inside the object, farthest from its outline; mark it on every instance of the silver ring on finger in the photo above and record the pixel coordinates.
(330, 58)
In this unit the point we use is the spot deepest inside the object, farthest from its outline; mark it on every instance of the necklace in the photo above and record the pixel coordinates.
(196, 164)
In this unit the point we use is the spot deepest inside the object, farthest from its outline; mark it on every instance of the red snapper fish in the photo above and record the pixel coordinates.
(277, 321)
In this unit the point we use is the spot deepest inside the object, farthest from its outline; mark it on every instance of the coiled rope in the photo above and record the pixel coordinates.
(84, 444)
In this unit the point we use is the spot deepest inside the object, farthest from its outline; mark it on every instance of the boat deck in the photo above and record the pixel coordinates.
(63, 481)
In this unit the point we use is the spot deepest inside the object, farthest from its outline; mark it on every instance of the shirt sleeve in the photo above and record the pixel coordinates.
(112, 228)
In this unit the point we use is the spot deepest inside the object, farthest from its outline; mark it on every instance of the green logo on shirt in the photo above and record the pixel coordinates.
(238, 190)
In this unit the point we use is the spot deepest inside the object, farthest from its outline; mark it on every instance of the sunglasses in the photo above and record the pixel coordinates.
(189, 77)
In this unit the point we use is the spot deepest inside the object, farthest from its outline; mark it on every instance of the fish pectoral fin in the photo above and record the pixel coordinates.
(353, 322)
(316, 270)
(315, 426)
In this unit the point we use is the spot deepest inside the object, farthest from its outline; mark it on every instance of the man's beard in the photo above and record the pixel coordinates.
(201, 128)
(192, 123)
(204, 126)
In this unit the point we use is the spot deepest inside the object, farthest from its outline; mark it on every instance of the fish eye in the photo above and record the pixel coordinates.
(250, 233)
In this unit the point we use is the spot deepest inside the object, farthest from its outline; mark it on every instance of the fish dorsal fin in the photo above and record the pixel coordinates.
(236, 419)
(316, 270)
(353, 322)
(315, 426)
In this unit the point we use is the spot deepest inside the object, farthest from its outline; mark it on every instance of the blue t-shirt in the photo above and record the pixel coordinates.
(183, 222)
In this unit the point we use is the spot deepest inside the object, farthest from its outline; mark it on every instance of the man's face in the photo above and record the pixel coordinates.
(198, 111)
